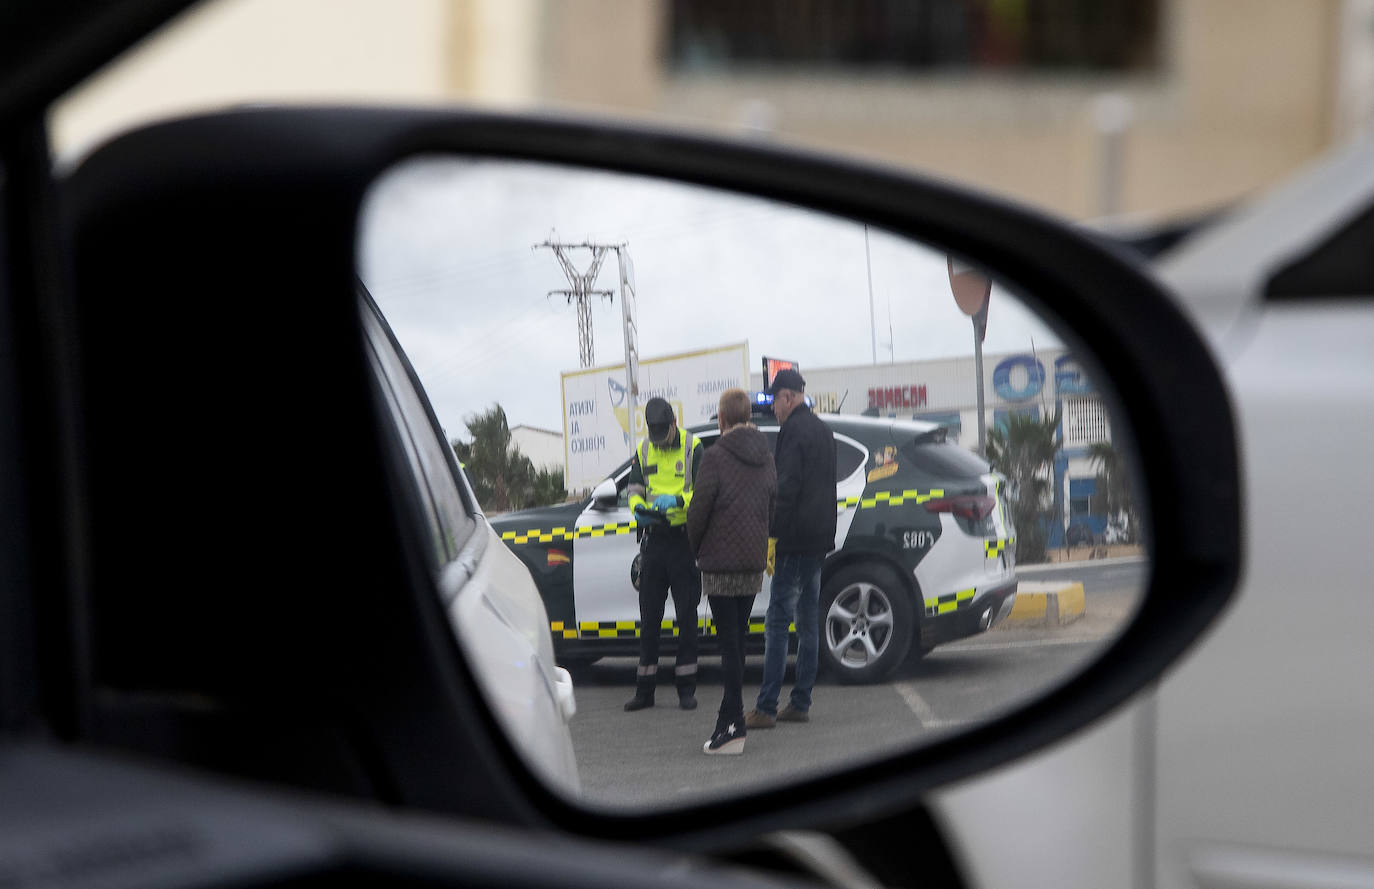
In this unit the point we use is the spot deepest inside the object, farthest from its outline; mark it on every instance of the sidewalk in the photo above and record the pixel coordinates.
(1094, 555)
(1050, 567)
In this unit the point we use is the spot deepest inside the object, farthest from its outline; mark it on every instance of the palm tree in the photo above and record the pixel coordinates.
(503, 478)
(548, 487)
(1115, 485)
(1024, 450)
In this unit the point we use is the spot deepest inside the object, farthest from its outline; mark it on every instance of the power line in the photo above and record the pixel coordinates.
(580, 290)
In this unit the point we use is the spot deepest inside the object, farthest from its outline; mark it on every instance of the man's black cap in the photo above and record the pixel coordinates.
(787, 379)
(658, 412)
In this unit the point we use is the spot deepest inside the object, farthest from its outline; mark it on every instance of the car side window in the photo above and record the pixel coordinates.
(437, 550)
(454, 521)
(847, 459)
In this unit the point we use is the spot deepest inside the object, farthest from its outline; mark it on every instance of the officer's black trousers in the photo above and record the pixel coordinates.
(666, 564)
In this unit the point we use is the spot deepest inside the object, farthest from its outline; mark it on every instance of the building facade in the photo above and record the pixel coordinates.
(944, 391)
(1116, 107)
(544, 447)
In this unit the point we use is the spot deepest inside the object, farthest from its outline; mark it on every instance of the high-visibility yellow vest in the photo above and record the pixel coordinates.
(667, 471)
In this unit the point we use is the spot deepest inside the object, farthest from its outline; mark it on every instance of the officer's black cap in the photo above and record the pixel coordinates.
(658, 412)
(787, 379)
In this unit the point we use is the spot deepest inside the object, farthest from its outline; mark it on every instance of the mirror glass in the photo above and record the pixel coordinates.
(988, 538)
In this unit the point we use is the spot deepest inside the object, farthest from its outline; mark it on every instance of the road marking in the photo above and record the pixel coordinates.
(918, 706)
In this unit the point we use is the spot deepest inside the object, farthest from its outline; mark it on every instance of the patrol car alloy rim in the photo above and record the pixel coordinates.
(858, 626)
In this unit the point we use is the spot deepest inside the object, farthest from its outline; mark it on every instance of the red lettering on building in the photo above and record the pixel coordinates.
(898, 396)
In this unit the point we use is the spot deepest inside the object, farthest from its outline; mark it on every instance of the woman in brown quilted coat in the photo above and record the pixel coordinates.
(727, 525)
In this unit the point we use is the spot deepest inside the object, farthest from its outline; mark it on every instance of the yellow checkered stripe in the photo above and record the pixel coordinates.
(995, 548)
(889, 498)
(614, 629)
(629, 629)
(948, 603)
(534, 535)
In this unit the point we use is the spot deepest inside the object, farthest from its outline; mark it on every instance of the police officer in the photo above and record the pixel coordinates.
(660, 488)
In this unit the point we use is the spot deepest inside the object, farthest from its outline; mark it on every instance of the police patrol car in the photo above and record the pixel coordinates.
(923, 553)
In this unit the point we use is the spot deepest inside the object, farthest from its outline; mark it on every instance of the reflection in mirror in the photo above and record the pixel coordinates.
(987, 541)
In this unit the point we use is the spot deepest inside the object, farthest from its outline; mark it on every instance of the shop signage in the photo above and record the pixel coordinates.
(1018, 378)
(1069, 378)
(897, 396)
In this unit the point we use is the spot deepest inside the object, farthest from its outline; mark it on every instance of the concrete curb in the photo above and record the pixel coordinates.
(1045, 603)
(1051, 567)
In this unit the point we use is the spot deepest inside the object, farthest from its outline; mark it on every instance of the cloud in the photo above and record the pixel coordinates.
(447, 249)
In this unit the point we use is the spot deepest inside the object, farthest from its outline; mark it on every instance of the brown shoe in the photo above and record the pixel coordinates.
(792, 714)
(756, 719)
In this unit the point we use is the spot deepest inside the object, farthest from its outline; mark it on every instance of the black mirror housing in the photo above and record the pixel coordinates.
(214, 286)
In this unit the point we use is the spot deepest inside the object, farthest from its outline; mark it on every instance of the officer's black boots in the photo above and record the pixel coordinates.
(644, 693)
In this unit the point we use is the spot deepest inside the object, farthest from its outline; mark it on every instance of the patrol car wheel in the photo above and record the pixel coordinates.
(866, 623)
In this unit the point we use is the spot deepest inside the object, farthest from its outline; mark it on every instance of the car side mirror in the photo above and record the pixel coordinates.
(604, 495)
(292, 207)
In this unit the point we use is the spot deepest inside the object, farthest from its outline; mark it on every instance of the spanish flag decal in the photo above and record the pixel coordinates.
(558, 557)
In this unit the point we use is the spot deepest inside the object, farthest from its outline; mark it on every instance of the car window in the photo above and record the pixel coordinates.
(946, 460)
(450, 515)
(437, 550)
(512, 357)
(622, 484)
(847, 459)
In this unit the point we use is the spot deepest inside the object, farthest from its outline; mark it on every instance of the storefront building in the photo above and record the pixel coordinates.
(944, 391)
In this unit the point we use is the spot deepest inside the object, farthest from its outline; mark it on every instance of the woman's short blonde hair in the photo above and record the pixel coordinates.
(734, 407)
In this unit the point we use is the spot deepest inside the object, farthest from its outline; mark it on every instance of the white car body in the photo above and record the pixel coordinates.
(1250, 764)
(491, 599)
(501, 622)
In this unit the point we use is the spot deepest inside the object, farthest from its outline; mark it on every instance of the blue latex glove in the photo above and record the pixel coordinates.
(665, 502)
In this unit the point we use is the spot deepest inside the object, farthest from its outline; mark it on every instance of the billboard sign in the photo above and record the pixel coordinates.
(771, 368)
(598, 433)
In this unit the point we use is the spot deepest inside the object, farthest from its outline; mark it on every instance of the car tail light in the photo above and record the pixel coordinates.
(972, 507)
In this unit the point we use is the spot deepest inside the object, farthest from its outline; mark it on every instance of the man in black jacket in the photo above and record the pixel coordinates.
(803, 531)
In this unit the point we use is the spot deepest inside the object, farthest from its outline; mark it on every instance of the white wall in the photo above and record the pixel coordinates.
(543, 447)
(1355, 75)
(239, 51)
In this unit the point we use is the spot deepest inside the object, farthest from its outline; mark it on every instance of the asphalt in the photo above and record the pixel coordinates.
(1096, 575)
(652, 758)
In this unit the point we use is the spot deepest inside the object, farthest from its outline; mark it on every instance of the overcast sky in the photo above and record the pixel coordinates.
(446, 249)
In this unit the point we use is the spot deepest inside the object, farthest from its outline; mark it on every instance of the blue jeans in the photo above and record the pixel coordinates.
(793, 598)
